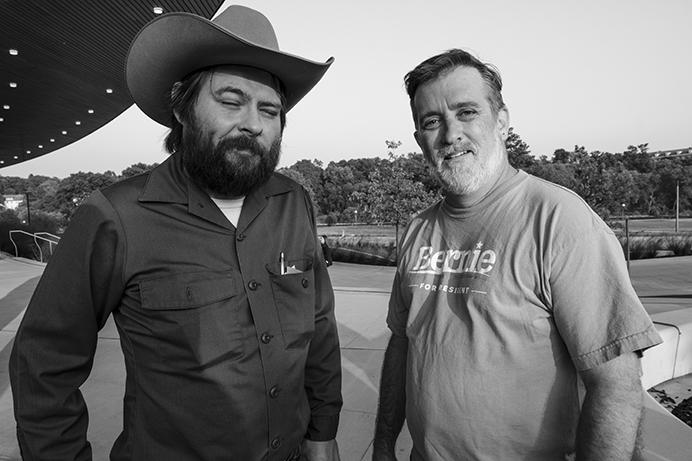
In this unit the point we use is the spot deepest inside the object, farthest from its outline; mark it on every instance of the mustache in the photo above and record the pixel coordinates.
(241, 142)
(455, 149)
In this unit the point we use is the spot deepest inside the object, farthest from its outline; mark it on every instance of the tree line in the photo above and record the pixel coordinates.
(393, 188)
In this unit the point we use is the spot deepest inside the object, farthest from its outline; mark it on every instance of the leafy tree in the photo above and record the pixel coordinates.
(420, 171)
(637, 158)
(298, 177)
(338, 187)
(136, 169)
(518, 151)
(77, 187)
(558, 173)
(394, 195)
(311, 177)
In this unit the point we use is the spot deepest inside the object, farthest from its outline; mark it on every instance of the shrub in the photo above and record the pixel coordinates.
(363, 249)
(680, 245)
(646, 246)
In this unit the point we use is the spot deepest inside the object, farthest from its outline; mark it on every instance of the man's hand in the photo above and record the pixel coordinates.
(320, 451)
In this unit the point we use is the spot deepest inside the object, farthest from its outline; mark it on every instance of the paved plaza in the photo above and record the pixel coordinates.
(361, 305)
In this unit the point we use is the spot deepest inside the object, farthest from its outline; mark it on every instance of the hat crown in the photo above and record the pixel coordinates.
(249, 25)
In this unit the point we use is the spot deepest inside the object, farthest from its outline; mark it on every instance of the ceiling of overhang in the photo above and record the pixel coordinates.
(62, 67)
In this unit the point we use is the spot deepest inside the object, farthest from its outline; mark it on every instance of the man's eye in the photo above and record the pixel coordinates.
(431, 123)
(270, 112)
(467, 114)
(230, 103)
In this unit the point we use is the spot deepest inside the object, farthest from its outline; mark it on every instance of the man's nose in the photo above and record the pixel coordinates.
(453, 132)
(251, 124)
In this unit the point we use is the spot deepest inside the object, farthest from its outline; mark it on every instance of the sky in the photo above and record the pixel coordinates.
(603, 74)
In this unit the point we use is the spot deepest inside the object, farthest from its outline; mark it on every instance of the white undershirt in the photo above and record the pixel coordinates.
(230, 208)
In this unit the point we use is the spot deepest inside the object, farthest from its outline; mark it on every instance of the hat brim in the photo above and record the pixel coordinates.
(176, 44)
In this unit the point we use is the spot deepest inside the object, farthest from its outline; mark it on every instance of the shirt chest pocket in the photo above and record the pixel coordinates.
(294, 298)
(193, 317)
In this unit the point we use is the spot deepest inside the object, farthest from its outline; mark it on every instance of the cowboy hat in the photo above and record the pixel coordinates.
(175, 44)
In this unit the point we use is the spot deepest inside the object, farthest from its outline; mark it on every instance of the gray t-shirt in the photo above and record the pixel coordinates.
(503, 303)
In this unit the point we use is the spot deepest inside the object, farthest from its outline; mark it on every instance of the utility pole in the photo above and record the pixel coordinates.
(28, 210)
(677, 205)
(675, 153)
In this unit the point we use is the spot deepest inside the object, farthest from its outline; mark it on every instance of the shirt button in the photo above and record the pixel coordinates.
(266, 338)
(240, 237)
(276, 443)
(305, 283)
(253, 284)
(274, 392)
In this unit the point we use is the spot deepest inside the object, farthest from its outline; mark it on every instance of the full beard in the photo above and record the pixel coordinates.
(467, 175)
(221, 169)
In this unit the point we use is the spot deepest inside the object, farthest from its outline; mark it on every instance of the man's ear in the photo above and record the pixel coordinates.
(416, 135)
(503, 122)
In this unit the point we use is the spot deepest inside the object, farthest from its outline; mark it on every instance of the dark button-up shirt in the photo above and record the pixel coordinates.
(229, 353)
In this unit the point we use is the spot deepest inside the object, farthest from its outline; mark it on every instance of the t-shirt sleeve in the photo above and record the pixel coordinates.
(595, 307)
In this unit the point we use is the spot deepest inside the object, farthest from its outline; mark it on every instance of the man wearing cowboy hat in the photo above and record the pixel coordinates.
(209, 264)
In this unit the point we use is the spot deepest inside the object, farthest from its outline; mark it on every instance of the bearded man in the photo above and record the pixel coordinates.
(515, 328)
(209, 264)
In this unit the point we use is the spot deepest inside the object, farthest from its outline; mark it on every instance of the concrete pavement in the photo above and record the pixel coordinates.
(361, 304)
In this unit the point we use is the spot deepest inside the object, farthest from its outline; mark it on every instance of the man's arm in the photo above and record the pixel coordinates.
(612, 410)
(391, 411)
(55, 344)
(323, 366)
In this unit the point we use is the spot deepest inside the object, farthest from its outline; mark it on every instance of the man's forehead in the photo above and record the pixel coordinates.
(245, 76)
(460, 81)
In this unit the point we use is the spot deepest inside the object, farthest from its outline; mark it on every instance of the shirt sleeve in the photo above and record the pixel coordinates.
(596, 310)
(323, 367)
(54, 347)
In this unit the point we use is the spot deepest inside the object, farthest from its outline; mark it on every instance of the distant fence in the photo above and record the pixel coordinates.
(640, 236)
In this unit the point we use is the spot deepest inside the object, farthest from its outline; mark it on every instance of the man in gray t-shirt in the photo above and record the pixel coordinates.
(515, 328)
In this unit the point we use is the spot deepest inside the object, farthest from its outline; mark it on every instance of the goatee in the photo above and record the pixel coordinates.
(234, 167)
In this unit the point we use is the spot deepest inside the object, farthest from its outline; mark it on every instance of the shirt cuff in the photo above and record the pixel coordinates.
(633, 343)
(322, 428)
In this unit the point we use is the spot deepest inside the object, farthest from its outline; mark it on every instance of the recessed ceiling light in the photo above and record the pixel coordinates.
(77, 122)
(52, 140)
(2, 161)
(158, 10)
(109, 91)
(91, 111)
(28, 152)
(15, 157)
(14, 52)
(2, 119)
(64, 132)
(6, 107)
(13, 84)
(40, 146)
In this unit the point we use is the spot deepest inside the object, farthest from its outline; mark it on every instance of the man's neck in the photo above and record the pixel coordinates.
(470, 199)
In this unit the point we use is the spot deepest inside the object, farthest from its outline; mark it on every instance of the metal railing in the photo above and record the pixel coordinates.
(36, 237)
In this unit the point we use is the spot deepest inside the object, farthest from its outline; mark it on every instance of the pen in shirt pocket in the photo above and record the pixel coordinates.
(282, 263)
